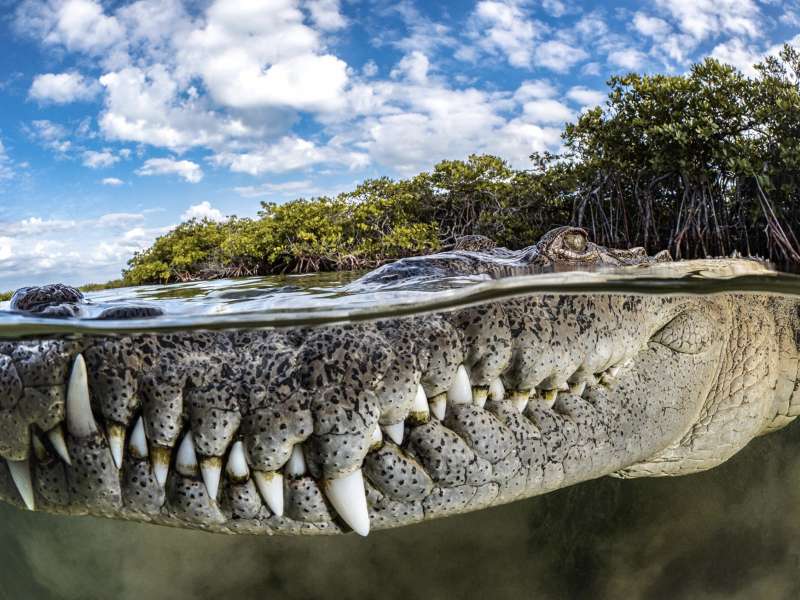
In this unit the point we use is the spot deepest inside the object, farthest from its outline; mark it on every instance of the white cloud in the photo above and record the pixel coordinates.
(413, 66)
(538, 88)
(112, 181)
(650, 26)
(261, 54)
(547, 111)
(98, 159)
(288, 154)
(62, 88)
(559, 56)
(79, 25)
(326, 14)
(703, 19)
(627, 58)
(204, 210)
(50, 135)
(502, 26)
(185, 169)
(586, 97)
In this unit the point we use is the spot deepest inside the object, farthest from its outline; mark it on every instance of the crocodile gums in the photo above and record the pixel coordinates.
(392, 421)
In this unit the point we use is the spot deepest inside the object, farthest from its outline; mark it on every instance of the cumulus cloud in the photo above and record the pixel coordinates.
(204, 210)
(326, 14)
(112, 181)
(627, 58)
(78, 25)
(95, 159)
(703, 19)
(501, 26)
(585, 96)
(287, 154)
(547, 111)
(185, 169)
(413, 66)
(62, 88)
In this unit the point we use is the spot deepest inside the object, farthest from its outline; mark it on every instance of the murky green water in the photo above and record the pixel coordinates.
(732, 532)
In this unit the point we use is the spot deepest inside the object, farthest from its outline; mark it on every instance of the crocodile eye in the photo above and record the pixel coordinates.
(691, 332)
(575, 241)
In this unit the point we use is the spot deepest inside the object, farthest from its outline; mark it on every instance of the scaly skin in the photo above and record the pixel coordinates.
(422, 416)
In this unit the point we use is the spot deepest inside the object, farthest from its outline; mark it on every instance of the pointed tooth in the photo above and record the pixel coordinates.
(160, 457)
(21, 474)
(80, 420)
(420, 411)
(395, 431)
(376, 438)
(211, 467)
(479, 395)
(549, 397)
(296, 465)
(612, 371)
(460, 391)
(116, 441)
(497, 390)
(438, 406)
(577, 388)
(270, 486)
(349, 499)
(186, 460)
(237, 468)
(519, 399)
(56, 437)
(138, 443)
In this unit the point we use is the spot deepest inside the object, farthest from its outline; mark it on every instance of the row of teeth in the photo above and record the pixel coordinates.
(346, 494)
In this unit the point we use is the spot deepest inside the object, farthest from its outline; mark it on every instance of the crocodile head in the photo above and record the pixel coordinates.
(397, 420)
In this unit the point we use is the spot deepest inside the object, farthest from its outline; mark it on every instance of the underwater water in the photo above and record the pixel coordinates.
(731, 532)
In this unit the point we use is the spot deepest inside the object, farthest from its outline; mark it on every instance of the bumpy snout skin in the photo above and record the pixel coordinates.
(386, 423)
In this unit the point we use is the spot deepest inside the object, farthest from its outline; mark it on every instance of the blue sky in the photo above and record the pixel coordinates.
(120, 119)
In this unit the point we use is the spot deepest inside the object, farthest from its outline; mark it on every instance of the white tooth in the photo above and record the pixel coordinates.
(519, 400)
(296, 466)
(186, 461)
(497, 390)
(211, 467)
(21, 474)
(395, 432)
(420, 411)
(438, 406)
(56, 437)
(376, 438)
(577, 388)
(613, 370)
(80, 420)
(349, 499)
(460, 391)
(237, 463)
(138, 441)
(116, 440)
(270, 486)
(160, 457)
(479, 395)
(549, 397)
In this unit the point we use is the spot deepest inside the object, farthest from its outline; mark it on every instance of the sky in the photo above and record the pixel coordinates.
(118, 120)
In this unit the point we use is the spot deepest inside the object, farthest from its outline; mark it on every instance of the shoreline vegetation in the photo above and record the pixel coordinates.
(701, 164)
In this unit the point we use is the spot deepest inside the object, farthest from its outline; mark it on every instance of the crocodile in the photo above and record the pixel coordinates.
(348, 427)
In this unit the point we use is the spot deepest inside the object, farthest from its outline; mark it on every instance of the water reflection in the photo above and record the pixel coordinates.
(732, 532)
